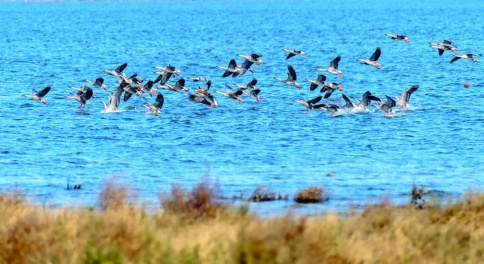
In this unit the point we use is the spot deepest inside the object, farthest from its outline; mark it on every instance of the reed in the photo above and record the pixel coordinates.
(196, 226)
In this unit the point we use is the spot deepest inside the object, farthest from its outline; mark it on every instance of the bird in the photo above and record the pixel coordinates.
(82, 96)
(129, 91)
(199, 79)
(231, 69)
(114, 100)
(248, 61)
(291, 78)
(467, 56)
(320, 81)
(333, 67)
(99, 83)
(254, 93)
(250, 85)
(373, 59)
(148, 88)
(386, 106)
(166, 73)
(39, 96)
(253, 58)
(156, 107)
(118, 70)
(329, 88)
(231, 94)
(398, 37)
(362, 104)
(309, 103)
(293, 52)
(202, 95)
(403, 100)
(332, 108)
(445, 45)
(178, 87)
(169, 68)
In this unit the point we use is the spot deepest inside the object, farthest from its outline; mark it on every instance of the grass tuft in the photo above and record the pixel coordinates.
(314, 194)
(262, 194)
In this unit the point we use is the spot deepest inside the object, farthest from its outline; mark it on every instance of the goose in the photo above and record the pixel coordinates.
(254, 93)
(373, 59)
(253, 58)
(403, 100)
(309, 103)
(293, 52)
(291, 77)
(320, 81)
(99, 83)
(398, 37)
(445, 45)
(384, 106)
(129, 91)
(82, 96)
(363, 104)
(468, 56)
(114, 100)
(199, 79)
(169, 68)
(148, 88)
(329, 88)
(39, 96)
(231, 69)
(118, 70)
(204, 97)
(155, 108)
(333, 67)
(83, 89)
(166, 73)
(178, 87)
(332, 108)
(231, 94)
(250, 85)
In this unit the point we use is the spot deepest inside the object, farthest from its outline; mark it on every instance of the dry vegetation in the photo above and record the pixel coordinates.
(195, 227)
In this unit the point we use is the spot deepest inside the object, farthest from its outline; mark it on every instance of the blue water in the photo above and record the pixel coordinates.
(273, 144)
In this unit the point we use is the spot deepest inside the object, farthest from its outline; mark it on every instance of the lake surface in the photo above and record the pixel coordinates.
(438, 143)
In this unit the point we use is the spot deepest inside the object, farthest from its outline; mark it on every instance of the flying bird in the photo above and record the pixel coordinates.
(309, 103)
(291, 77)
(293, 52)
(398, 37)
(333, 67)
(373, 59)
(39, 96)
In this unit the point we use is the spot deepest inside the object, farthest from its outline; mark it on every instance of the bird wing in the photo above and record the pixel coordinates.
(290, 55)
(159, 101)
(121, 67)
(180, 84)
(315, 100)
(376, 55)
(408, 92)
(313, 87)
(390, 102)
(446, 41)
(328, 93)
(348, 102)
(335, 61)
(207, 85)
(43, 92)
(228, 89)
(321, 78)
(291, 73)
(454, 59)
(365, 98)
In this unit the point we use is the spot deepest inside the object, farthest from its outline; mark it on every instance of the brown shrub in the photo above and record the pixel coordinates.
(312, 194)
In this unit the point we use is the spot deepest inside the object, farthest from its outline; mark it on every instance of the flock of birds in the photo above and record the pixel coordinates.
(135, 85)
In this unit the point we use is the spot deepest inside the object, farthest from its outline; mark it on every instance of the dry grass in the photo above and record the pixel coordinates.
(262, 194)
(196, 227)
(314, 194)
